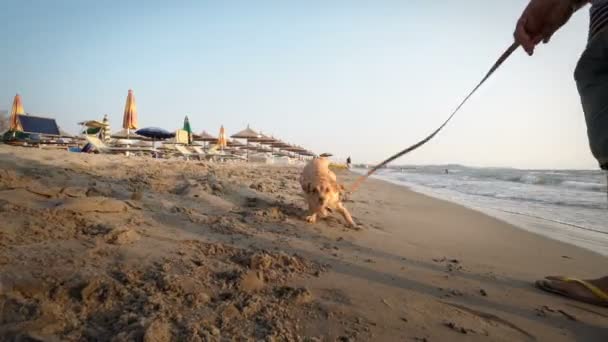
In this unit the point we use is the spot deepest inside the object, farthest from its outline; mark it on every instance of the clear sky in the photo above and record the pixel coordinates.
(359, 78)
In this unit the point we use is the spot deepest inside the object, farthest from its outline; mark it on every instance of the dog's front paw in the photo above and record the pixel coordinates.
(311, 218)
(353, 225)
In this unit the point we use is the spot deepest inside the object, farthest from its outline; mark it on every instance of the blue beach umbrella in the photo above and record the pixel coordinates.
(155, 133)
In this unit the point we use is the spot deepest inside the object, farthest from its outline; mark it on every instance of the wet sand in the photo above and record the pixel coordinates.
(97, 247)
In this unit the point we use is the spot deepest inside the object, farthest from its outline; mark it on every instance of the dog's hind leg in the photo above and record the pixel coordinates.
(342, 210)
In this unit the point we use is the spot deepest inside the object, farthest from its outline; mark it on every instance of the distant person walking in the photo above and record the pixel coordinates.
(348, 162)
(539, 21)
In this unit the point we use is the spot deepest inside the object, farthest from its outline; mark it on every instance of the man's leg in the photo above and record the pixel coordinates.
(592, 82)
(591, 76)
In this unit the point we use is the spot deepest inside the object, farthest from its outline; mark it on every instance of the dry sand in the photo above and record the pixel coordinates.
(109, 248)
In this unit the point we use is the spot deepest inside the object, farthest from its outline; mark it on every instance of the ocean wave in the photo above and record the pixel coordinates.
(584, 186)
(555, 179)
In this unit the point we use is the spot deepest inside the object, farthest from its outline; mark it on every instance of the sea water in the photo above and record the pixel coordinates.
(566, 205)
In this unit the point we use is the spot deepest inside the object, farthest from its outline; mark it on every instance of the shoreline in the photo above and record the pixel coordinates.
(99, 246)
(536, 225)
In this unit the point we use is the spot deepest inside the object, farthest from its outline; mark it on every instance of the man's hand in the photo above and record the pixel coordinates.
(541, 19)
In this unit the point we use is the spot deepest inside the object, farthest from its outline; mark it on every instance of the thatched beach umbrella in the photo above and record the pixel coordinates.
(15, 112)
(204, 137)
(123, 134)
(263, 139)
(248, 134)
(235, 143)
(263, 149)
(279, 144)
(272, 142)
(295, 149)
(222, 141)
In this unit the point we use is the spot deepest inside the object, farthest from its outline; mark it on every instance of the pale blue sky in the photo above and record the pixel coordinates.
(359, 78)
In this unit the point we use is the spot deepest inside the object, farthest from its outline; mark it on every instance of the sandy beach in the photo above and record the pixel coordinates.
(114, 248)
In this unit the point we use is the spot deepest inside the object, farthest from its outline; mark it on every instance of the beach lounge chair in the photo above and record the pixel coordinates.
(214, 154)
(198, 150)
(182, 150)
(101, 147)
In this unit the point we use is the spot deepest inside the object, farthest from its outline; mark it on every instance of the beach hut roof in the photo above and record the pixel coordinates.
(247, 133)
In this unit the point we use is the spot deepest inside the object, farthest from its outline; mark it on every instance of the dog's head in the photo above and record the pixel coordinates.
(324, 193)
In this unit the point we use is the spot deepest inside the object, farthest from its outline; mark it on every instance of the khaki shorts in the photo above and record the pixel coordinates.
(591, 77)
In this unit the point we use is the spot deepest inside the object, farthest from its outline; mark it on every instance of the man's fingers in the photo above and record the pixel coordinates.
(547, 34)
(522, 37)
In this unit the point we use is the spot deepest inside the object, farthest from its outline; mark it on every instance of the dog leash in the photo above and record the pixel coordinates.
(497, 64)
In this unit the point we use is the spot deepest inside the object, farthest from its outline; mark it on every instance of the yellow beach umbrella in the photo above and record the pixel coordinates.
(222, 141)
(129, 120)
(15, 112)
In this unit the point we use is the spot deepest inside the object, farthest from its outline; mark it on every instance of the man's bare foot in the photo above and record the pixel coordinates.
(593, 291)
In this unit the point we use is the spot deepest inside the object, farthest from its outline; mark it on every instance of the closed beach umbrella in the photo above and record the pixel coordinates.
(222, 141)
(15, 112)
(106, 132)
(188, 129)
(129, 120)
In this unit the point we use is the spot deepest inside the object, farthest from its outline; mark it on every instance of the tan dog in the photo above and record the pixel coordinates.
(322, 191)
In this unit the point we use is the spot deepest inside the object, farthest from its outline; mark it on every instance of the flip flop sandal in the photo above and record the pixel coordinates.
(601, 296)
